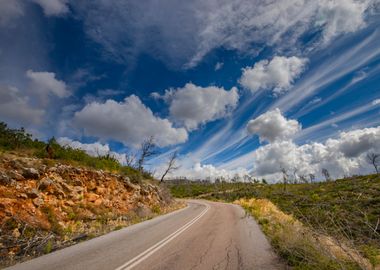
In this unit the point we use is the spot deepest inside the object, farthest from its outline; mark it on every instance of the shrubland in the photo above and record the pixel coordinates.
(347, 210)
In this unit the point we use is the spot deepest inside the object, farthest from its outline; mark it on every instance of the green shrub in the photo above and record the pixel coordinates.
(48, 247)
(19, 139)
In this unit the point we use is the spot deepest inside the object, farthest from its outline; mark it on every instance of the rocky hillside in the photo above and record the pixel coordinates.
(45, 205)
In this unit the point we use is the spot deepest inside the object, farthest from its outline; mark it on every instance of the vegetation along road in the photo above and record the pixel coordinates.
(204, 235)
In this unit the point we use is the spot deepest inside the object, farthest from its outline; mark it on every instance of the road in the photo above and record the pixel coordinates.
(204, 235)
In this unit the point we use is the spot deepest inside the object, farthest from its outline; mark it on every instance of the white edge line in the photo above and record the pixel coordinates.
(145, 254)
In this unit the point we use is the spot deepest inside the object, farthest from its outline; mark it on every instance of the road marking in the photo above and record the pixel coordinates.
(145, 254)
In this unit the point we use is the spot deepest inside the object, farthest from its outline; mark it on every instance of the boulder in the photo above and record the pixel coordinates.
(31, 173)
(38, 202)
(5, 179)
(16, 175)
(33, 193)
(15, 164)
(22, 196)
(45, 183)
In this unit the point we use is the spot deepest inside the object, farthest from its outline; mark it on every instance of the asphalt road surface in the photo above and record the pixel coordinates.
(204, 235)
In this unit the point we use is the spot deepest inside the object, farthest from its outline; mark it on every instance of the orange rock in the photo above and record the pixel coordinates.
(92, 197)
(98, 202)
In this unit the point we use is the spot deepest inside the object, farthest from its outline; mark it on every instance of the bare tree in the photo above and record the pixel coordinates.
(285, 177)
(236, 178)
(303, 178)
(171, 165)
(326, 174)
(312, 177)
(130, 159)
(374, 159)
(147, 149)
(295, 180)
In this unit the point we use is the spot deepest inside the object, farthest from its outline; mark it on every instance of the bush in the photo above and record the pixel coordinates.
(19, 139)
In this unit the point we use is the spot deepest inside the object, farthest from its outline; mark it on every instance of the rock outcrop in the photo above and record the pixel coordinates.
(45, 205)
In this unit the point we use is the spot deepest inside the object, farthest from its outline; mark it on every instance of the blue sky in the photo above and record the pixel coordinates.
(236, 87)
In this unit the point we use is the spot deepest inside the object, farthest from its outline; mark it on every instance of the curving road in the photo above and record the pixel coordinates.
(204, 235)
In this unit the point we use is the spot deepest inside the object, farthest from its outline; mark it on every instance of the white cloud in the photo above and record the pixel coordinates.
(334, 65)
(340, 16)
(193, 105)
(45, 83)
(93, 149)
(277, 74)
(53, 7)
(376, 102)
(272, 126)
(10, 10)
(342, 156)
(205, 171)
(354, 143)
(129, 121)
(182, 33)
(15, 107)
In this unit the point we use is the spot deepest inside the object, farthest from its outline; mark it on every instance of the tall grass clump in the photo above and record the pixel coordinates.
(301, 247)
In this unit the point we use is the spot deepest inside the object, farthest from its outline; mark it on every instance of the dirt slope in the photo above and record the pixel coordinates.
(46, 205)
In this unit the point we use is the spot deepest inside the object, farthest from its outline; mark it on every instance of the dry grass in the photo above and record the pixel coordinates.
(302, 247)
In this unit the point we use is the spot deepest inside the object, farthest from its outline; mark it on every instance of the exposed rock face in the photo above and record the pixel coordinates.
(38, 199)
(30, 173)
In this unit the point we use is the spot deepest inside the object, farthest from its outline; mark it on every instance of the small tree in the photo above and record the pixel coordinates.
(285, 177)
(171, 165)
(374, 160)
(50, 147)
(312, 177)
(147, 149)
(326, 174)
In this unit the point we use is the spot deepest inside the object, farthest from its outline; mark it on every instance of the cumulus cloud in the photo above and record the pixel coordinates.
(342, 156)
(45, 84)
(193, 105)
(53, 7)
(272, 126)
(129, 121)
(206, 171)
(356, 142)
(95, 149)
(15, 107)
(182, 33)
(277, 74)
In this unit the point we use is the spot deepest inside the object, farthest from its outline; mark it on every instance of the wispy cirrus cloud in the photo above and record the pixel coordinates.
(198, 27)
